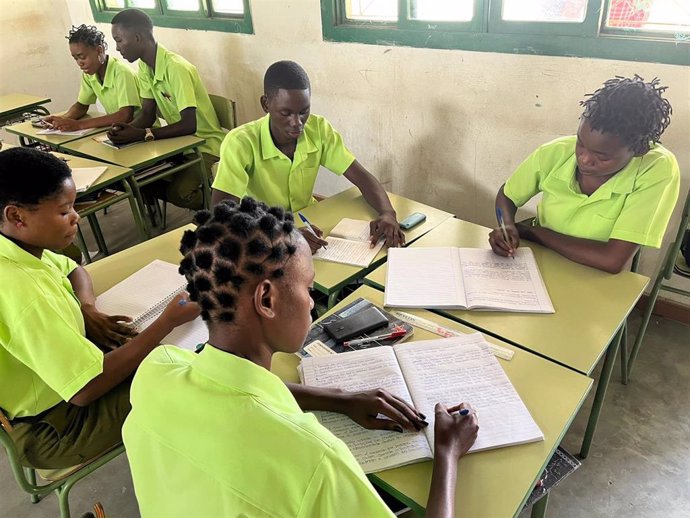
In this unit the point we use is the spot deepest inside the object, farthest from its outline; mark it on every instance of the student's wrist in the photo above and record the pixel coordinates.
(390, 213)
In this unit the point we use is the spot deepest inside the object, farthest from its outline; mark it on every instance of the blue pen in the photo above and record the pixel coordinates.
(501, 223)
(308, 225)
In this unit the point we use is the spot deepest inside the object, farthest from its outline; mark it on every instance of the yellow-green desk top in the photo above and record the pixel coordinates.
(15, 103)
(351, 204)
(26, 130)
(112, 174)
(590, 304)
(140, 155)
(491, 483)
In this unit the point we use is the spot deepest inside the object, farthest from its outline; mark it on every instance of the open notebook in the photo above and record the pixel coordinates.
(85, 177)
(348, 243)
(144, 295)
(465, 278)
(450, 371)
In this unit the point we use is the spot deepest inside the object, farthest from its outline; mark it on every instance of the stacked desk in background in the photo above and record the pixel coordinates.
(491, 483)
(591, 306)
(14, 105)
(331, 278)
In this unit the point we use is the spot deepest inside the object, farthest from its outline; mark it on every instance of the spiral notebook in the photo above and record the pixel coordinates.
(144, 295)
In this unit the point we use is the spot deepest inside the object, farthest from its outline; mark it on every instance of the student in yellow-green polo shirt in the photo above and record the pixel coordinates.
(225, 436)
(276, 159)
(606, 191)
(65, 398)
(104, 78)
(172, 85)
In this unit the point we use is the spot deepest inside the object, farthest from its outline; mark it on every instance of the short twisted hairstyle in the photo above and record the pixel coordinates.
(88, 35)
(232, 245)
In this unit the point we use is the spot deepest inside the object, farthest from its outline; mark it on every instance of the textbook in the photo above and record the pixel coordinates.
(319, 343)
(449, 371)
(465, 278)
(85, 177)
(349, 243)
(144, 295)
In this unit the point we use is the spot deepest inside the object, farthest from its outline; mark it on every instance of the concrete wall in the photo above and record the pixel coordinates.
(443, 127)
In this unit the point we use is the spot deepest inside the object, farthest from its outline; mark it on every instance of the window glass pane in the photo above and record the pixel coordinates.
(114, 4)
(183, 5)
(650, 15)
(568, 11)
(376, 10)
(142, 4)
(228, 6)
(443, 10)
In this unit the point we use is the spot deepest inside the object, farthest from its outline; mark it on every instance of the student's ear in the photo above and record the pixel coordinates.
(12, 215)
(264, 299)
(264, 103)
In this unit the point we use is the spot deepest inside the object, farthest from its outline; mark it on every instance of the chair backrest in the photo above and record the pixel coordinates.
(675, 245)
(225, 111)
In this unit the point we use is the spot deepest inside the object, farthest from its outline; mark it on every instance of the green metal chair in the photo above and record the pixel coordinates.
(665, 272)
(61, 481)
(225, 111)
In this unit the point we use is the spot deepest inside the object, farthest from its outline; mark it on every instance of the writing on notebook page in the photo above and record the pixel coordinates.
(348, 243)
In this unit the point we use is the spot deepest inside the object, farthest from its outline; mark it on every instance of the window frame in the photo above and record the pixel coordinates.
(205, 19)
(591, 39)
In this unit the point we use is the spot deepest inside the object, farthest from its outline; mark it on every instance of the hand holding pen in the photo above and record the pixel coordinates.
(455, 429)
(505, 239)
(312, 234)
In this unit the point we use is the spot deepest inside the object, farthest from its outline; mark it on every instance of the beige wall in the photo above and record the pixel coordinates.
(443, 127)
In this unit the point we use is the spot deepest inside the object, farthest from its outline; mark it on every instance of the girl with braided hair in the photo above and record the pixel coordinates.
(218, 434)
(607, 190)
(104, 78)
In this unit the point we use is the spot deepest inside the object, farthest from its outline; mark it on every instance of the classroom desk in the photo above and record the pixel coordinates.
(490, 484)
(142, 155)
(12, 105)
(26, 133)
(331, 278)
(590, 307)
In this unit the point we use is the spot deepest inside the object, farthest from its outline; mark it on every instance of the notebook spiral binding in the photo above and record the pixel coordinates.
(156, 309)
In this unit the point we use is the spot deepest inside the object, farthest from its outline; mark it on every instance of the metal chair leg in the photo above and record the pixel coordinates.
(31, 477)
(624, 354)
(539, 507)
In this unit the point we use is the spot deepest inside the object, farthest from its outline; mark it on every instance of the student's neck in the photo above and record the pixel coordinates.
(101, 70)
(33, 250)
(233, 340)
(287, 148)
(149, 54)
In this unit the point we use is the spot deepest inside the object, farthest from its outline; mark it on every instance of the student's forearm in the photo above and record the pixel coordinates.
(311, 399)
(371, 189)
(178, 129)
(123, 115)
(441, 503)
(76, 111)
(507, 206)
(218, 196)
(120, 363)
(144, 119)
(82, 286)
(610, 256)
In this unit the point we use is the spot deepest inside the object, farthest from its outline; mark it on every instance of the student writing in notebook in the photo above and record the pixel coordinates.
(65, 398)
(227, 436)
(104, 78)
(607, 190)
(171, 85)
(276, 159)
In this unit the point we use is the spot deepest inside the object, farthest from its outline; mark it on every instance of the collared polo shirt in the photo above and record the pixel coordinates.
(175, 85)
(120, 88)
(252, 165)
(225, 437)
(44, 356)
(634, 205)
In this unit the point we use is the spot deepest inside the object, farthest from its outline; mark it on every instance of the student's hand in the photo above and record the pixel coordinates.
(364, 408)
(313, 241)
(499, 244)
(386, 227)
(454, 433)
(108, 331)
(63, 123)
(180, 310)
(122, 133)
(48, 121)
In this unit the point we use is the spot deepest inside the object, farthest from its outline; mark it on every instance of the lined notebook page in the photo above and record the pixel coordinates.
(424, 277)
(352, 229)
(462, 369)
(84, 177)
(511, 284)
(345, 251)
(367, 369)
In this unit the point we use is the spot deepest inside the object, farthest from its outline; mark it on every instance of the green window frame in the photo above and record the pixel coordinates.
(204, 19)
(488, 32)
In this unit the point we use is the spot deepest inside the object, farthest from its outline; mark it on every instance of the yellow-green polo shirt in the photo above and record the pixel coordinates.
(44, 356)
(227, 438)
(120, 88)
(176, 85)
(252, 165)
(635, 205)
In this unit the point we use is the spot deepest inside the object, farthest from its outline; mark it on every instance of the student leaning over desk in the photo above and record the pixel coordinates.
(276, 159)
(65, 398)
(170, 84)
(607, 190)
(104, 78)
(227, 437)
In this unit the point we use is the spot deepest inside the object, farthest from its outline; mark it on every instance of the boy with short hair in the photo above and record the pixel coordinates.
(172, 85)
(276, 159)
